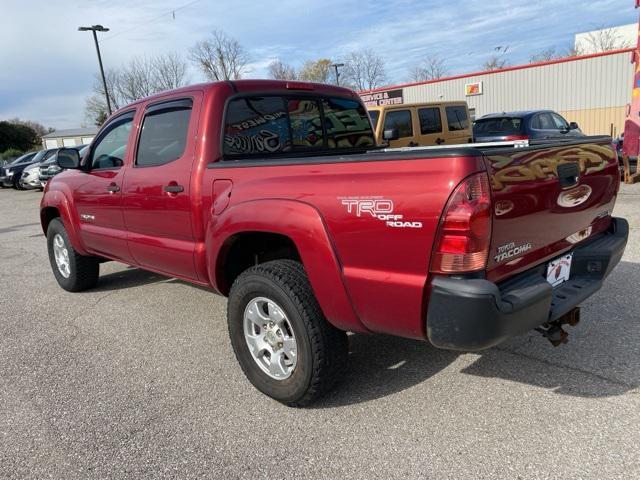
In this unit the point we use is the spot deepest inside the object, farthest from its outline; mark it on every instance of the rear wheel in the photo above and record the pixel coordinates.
(283, 343)
(74, 272)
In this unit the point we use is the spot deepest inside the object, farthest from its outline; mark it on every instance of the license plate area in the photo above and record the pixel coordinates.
(559, 270)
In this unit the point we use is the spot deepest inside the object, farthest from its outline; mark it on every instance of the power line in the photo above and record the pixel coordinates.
(166, 13)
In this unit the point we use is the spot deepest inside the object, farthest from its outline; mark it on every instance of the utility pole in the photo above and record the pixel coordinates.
(94, 29)
(336, 66)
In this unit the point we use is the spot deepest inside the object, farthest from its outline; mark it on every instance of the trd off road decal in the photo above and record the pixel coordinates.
(379, 208)
(505, 252)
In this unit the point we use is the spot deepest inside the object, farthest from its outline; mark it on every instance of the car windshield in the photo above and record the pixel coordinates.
(24, 158)
(497, 126)
(374, 115)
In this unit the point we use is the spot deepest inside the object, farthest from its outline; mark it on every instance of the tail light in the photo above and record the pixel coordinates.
(464, 234)
(510, 138)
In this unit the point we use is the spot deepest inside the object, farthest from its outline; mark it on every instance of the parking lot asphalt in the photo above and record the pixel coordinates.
(136, 379)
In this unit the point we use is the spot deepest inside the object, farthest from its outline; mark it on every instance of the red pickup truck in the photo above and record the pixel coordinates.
(274, 194)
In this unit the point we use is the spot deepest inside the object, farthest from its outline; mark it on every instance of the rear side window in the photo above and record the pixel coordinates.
(430, 121)
(543, 121)
(164, 133)
(400, 119)
(457, 118)
(498, 126)
(268, 125)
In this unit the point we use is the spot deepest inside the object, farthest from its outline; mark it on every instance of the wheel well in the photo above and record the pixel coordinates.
(245, 250)
(46, 215)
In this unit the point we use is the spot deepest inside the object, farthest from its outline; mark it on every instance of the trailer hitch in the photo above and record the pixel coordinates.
(554, 332)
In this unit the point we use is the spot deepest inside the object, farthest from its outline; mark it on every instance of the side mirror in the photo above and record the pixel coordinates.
(68, 158)
(390, 134)
(573, 126)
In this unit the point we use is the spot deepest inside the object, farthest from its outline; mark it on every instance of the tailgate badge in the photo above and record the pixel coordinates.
(575, 196)
(510, 250)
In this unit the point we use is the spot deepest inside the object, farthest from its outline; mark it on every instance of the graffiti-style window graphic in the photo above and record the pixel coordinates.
(347, 124)
(306, 126)
(256, 125)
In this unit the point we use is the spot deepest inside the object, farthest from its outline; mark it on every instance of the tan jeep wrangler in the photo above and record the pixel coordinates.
(421, 124)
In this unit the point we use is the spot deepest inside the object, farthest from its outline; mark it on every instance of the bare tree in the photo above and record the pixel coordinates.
(316, 71)
(431, 68)
(139, 78)
(545, 55)
(363, 70)
(169, 72)
(495, 62)
(220, 57)
(281, 71)
(602, 40)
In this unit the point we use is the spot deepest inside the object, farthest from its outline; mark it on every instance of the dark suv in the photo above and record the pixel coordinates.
(527, 125)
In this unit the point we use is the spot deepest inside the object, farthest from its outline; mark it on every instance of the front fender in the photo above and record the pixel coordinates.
(304, 225)
(58, 199)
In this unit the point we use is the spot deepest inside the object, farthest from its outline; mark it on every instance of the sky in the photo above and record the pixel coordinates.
(47, 67)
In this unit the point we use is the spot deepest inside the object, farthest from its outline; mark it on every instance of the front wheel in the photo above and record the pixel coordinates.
(283, 343)
(73, 272)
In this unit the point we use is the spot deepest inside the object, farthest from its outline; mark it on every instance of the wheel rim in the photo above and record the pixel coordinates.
(61, 254)
(270, 338)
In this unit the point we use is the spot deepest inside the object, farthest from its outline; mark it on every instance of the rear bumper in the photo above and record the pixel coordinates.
(474, 314)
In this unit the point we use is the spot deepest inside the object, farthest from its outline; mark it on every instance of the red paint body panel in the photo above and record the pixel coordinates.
(368, 267)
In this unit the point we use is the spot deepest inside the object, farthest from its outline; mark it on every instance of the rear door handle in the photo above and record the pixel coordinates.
(173, 188)
(113, 188)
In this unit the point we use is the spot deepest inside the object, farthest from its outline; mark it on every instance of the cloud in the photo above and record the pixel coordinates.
(47, 67)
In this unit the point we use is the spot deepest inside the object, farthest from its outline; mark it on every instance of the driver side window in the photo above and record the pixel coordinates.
(109, 151)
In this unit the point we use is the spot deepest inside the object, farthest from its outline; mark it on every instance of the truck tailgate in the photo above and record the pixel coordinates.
(548, 198)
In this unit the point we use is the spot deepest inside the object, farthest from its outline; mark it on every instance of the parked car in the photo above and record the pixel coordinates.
(11, 172)
(30, 177)
(273, 194)
(49, 168)
(527, 125)
(421, 124)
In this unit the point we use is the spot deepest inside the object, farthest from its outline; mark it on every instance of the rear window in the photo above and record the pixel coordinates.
(270, 125)
(498, 126)
(457, 118)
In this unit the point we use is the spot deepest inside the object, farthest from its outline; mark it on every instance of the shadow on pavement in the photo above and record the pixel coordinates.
(607, 340)
(131, 277)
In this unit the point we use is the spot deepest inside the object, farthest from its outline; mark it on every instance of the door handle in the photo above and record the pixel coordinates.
(568, 174)
(113, 188)
(173, 188)
(413, 144)
(440, 141)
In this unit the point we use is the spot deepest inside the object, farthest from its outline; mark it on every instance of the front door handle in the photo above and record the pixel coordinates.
(113, 188)
(173, 188)
(440, 141)
(413, 144)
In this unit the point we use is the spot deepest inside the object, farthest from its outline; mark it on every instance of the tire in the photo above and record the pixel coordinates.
(16, 183)
(321, 349)
(82, 271)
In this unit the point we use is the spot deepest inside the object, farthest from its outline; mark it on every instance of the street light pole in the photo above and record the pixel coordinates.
(94, 29)
(336, 66)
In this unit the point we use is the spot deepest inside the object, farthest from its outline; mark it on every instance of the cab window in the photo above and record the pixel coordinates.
(163, 137)
(400, 119)
(272, 125)
(430, 121)
(457, 118)
(110, 149)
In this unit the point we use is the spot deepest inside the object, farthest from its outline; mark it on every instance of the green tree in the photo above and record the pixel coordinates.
(18, 136)
(316, 71)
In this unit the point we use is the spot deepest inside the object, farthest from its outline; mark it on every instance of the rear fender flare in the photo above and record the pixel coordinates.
(304, 225)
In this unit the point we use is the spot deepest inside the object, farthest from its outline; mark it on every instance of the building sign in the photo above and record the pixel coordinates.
(377, 99)
(474, 88)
